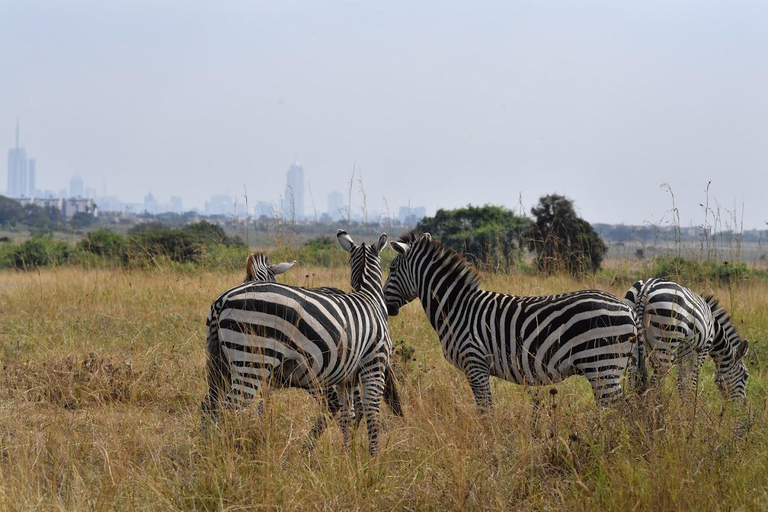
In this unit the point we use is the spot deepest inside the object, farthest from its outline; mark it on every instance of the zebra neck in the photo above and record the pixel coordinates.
(445, 289)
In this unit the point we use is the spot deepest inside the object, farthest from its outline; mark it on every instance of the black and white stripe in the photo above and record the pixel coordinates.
(526, 340)
(676, 326)
(728, 352)
(259, 269)
(279, 335)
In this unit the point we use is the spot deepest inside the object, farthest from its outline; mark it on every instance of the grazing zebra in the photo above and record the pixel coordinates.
(526, 340)
(259, 269)
(279, 335)
(676, 325)
(728, 352)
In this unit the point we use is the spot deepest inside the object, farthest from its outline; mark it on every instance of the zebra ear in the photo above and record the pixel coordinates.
(742, 350)
(399, 247)
(279, 268)
(381, 243)
(426, 236)
(345, 241)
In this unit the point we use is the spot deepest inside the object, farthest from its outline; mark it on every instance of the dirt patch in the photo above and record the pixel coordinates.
(71, 382)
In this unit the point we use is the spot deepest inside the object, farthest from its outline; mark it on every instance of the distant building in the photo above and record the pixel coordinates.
(337, 209)
(264, 209)
(176, 204)
(150, 204)
(76, 188)
(411, 215)
(17, 170)
(75, 205)
(31, 177)
(68, 206)
(293, 200)
(219, 205)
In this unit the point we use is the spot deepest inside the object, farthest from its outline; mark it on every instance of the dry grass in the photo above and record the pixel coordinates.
(103, 376)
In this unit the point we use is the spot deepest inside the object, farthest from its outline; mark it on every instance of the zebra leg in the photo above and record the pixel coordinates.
(329, 401)
(358, 398)
(217, 373)
(372, 384)
(686, 362)
(347, 412)
(479, 376)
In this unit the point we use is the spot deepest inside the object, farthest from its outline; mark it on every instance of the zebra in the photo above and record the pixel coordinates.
(280, 335)
(676, 326)
(728, 352)
(258, 268)
(527, 340)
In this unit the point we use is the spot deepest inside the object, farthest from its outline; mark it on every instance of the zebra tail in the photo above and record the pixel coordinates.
(391, 395)
(645, 321)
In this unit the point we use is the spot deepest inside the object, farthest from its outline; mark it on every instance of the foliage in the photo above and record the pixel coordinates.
(82, 220)
(107, 244)
(563, 241)
(36, 252)
(698, 271)
(490, 234)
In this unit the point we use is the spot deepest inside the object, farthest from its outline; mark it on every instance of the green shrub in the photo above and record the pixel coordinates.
(106, 244)
(38, 251)
(684, 270)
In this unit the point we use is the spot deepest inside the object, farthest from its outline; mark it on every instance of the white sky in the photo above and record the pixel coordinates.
(440, 103)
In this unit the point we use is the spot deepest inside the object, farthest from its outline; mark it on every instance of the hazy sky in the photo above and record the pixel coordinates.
(440, 103)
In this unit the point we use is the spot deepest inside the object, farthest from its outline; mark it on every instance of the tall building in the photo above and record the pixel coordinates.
(293, 200)
(150, 204)
(337, 209)
(17, 169)
(76, 186)
(31, 176)
(264, 209)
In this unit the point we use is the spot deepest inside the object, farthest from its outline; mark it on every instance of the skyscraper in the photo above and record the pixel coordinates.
(17, 169)
(337, 209)
(76, 186)
(31, 175)
(293, 200)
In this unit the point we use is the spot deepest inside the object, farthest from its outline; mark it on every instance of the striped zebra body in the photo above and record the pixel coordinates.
(259, 269)
(728, 352)
(676, 326)
(526, 340)
(279, 335)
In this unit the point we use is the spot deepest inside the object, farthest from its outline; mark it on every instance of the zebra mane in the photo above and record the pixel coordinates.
(439, 251)
(722, 316)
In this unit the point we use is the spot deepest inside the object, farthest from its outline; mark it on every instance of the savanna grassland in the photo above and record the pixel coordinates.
(103, 374)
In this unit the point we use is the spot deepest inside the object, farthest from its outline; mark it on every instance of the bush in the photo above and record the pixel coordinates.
(489, 234)
(35, 252)
(563, 241)
(178, 245)
(698, 271)
(106, 244)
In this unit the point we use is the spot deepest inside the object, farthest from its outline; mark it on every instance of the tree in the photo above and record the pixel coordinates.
(491, 234)
(563, 240)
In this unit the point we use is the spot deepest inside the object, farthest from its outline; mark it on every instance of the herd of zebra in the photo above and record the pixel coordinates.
(337, 345)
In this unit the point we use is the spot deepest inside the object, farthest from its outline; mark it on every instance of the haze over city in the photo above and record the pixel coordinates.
(435, 105)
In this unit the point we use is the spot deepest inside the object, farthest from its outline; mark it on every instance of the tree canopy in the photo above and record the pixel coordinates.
(489, 234)
(563, 241)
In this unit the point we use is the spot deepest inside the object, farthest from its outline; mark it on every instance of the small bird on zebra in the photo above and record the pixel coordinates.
(269, 334)
(527, 340)
(679, 327)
